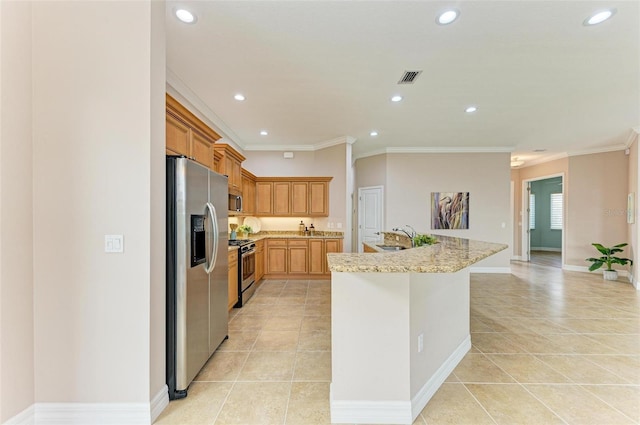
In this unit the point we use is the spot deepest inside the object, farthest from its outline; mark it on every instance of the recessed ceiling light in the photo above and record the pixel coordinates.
(264, 133)
(186, 16)
(539, 150)
(447, 17)
(239, 97)
(396, 98)
(373, 133)
(599, 17)
(471, 109)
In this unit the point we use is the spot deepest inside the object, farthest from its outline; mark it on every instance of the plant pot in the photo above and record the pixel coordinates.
(610, 275)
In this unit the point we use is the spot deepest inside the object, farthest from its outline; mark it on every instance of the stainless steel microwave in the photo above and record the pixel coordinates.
(235, 202)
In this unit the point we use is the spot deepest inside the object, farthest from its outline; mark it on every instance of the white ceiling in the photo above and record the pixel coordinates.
(317, 71)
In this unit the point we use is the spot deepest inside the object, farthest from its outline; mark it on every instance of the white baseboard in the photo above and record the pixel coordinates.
(26, 417)
(544, 248)
(585, 269)
(397, 412)
(94, 413)
(427, 391)
(516, 258)
(506, 270)
(371, 412)
(159, 403)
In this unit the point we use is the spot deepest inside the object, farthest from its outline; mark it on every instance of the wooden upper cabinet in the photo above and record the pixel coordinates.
(201, 150)
(248, 192)
(187, 135)
(299, 198)
(319, 198)
(231, 165)
(292, 196)
(281, 198)
(264, 198)
(178, 136)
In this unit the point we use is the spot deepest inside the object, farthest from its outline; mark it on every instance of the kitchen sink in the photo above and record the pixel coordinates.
(391, 247)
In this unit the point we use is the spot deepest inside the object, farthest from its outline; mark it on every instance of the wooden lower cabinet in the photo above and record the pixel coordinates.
(316, 256)
(298, 250)
(259, 260)
(298, 258)
(233, 278)
(276, 256)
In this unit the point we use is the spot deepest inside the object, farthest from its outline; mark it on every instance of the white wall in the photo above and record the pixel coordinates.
(410, 179)
(329, 162)
(16, 221)
(98, 81)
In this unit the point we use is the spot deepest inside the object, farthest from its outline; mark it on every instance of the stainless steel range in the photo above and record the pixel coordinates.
(246, 269)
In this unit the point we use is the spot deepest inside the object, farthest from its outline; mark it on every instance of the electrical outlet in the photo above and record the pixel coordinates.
(420, 343)
(113, 243)
(339, 225)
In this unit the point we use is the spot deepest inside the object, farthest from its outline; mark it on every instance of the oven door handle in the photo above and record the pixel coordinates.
(215, 238)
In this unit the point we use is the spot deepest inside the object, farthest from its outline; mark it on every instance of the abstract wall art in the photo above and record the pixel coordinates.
(449, 210)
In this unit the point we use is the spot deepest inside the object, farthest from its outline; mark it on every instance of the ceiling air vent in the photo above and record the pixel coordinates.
(409, 77)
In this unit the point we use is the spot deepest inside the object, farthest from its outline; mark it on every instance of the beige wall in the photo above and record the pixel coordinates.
(534, 172)
(596, 204)
(16, 205)
(632, 187)
(328, 162)
(94, 160)
(410, 179)
(157, 347)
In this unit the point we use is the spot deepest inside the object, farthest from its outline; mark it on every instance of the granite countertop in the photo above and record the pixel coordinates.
(233, 248)
(275, 234)
(449, 255)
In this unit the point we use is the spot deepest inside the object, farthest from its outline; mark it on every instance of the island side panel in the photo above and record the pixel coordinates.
(370, 328)
(440, 312)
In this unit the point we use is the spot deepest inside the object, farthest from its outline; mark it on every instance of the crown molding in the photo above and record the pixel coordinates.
(612, 148)
(181, 92)
(422, 149)
(542, 160)
(298, 148)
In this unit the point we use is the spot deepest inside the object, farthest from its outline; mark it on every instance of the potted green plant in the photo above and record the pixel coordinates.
(244, 229)
(608, 259)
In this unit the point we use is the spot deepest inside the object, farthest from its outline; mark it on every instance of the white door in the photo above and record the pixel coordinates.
(370, 217)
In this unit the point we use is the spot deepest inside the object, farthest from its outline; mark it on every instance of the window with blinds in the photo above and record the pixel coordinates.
(532, 211)
(556, 211)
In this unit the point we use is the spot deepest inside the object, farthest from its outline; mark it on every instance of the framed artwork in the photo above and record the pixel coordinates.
(631, 210)
(449, 210)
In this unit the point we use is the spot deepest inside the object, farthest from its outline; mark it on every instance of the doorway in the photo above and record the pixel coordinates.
(544, 220)
(370, 214)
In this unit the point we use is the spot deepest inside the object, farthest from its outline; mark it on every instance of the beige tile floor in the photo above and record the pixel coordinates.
(548, 347)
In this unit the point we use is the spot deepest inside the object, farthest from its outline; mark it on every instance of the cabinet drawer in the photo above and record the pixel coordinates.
(276, 242)
(298, 242)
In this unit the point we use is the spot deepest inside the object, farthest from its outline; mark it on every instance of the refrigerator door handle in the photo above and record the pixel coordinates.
(211, 262)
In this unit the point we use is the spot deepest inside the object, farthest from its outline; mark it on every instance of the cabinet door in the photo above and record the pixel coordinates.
(331, 245)
(236, 175)
(281, 198)
(299, 198)
(319, 199)
(259, 260)
(277, 256)
(316, 256)
(264, 200)
(248, 196)
(298, 256)
(233, 278)
(178, 135)
(201, 150)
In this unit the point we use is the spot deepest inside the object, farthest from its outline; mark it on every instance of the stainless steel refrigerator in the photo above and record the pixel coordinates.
(197, 269)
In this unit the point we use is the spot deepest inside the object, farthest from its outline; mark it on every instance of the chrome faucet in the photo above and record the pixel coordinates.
(409, 235)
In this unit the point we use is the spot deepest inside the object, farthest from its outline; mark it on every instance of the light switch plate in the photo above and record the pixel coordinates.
(113, 243)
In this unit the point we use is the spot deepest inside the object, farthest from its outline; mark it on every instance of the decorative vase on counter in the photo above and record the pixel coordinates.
(232, 235)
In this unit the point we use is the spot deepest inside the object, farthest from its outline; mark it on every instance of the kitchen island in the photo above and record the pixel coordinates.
(399, 326)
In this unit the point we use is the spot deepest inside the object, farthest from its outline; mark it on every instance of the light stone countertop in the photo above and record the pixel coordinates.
(273, 234)
(449, 255)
